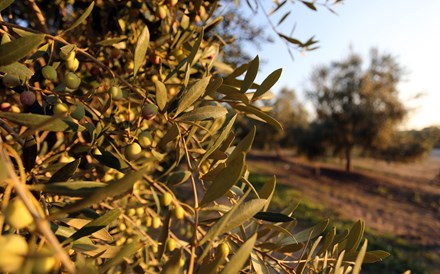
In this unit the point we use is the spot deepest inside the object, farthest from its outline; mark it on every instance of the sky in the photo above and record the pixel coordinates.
(407, 29)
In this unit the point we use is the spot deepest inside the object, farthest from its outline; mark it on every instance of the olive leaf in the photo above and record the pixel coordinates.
(141, 49)
(16, 49)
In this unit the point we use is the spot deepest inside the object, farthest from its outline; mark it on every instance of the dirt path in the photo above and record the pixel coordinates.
(402, 200)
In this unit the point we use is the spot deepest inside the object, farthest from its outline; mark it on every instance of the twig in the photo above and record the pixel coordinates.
(12, 132)
(41, 223)
(39, 15)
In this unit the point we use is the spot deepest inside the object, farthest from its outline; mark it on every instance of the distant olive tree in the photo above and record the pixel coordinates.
(358, 106)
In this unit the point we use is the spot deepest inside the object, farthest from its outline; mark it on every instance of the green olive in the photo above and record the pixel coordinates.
(11, 81)
(116, 93)
(79, 112)
(49, 73)
(72, 80)
(166, 199)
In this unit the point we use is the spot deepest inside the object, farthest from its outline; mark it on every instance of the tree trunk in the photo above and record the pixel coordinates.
(348, 159)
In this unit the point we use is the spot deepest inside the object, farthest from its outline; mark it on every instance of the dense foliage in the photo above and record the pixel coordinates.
(118, 155)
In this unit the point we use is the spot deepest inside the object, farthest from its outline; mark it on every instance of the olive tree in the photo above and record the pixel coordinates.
(357, 106)
(118, 154)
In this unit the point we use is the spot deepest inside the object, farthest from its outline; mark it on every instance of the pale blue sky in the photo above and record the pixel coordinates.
(408, 29)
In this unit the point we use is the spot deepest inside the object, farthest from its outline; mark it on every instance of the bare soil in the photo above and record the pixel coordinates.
(396, 199)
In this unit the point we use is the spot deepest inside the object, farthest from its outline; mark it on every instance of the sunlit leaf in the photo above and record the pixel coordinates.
(203, 113)
(97, 224)
(328, 239)
(192, 94)
(141, 49)
(228, 177)
(117, 187)
(5, 3)
(77, 223)
(267, 83)
(306, 234)
(370, 256)
(250, 74)
(218, 141)
(240, 257)
(161, 95)
(178, 177)
(244, 145)
(42, 122)
(267, 191)
(261, 114)
(126, 251)
(360, 258)
(355, 236)
(173, 265)
(195, 49)
(16, 49)
(235, 217)
(18, 69)
(72, 189)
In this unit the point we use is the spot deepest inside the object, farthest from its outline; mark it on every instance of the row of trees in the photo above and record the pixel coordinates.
(357, 107)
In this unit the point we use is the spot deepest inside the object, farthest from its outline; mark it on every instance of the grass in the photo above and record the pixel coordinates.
(404, 255)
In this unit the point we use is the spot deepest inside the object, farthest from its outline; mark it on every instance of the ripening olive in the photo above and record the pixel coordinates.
(171, 244)
(17, 215)
(156, 222)
(149, 111)
(27, 98)
(166, 199)
(72, 80)
(223, 250)
(162, 12)
(69, 56)
(13, 248)
(11, 81)
(72, 64)
(132, 151)
(148, 221)
(60, 108)
(145, 139)
(116, 92)
(49, 73)
(179, 213)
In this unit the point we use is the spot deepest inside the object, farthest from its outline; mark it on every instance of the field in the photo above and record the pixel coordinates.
(400, 203)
